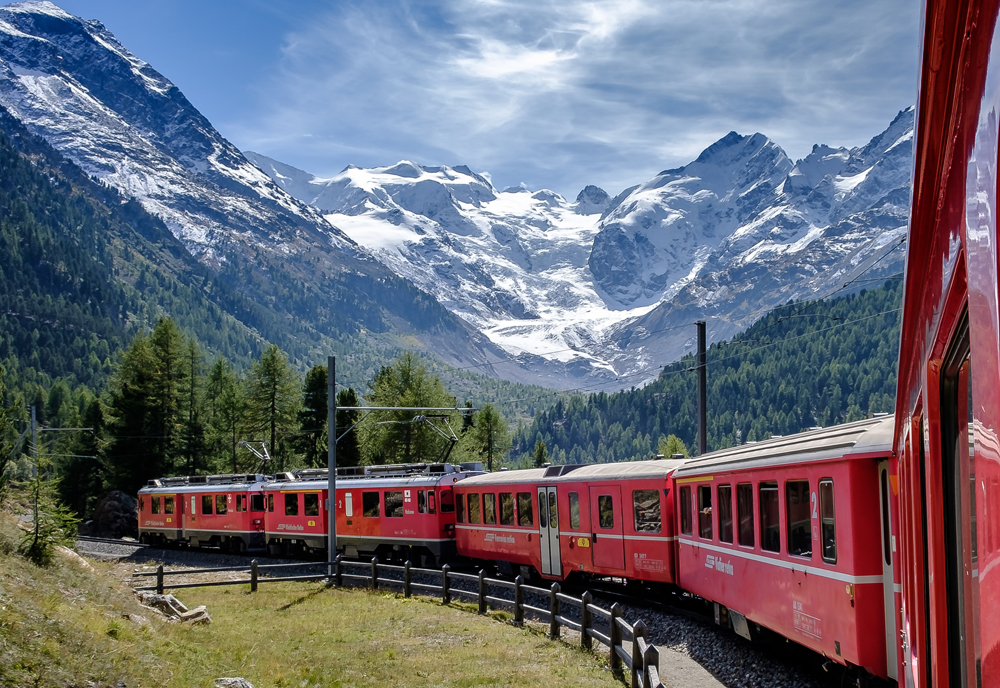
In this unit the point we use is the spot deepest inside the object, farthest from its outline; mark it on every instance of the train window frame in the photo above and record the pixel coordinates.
(747, 490)
(525, 516)
(446, 502)
(489, 509)
(685, 509)
(574, 510)
(507, 517)
(154, 505)
(794, 533)
(705, 513)
(553, 511)
(421, 501)
(393, 504)
(475, 514)
(310, 504)
(257, 503)
(168, 505)
(270, 502)
(220, 505)
(207, 508)
(765, 524)
(823, 518)
(725, 504)
(432, 502)
(371, 503)
(647, 519)
(349, 504)
(291, 503)
(142, 503)
(239, 503)
(606, 512)
(460, 508)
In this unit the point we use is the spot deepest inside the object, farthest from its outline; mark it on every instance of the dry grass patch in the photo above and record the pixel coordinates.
(292, 634)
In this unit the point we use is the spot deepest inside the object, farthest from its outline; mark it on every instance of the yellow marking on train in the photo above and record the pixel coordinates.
(695, 480)
(583, 542)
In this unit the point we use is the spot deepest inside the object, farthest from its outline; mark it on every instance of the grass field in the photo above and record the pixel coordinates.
(65, 625)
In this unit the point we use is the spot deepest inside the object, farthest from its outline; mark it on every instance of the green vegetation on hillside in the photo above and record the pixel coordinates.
(803, 365)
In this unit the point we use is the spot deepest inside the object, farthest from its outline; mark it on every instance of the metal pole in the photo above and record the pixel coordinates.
(34, 444)
(702, 392)
(331, 459)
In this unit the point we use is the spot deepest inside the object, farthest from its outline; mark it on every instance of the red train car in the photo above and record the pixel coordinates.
(793, 534)
(394, 512)
(224, 511)
(947, 420)
(591, 519)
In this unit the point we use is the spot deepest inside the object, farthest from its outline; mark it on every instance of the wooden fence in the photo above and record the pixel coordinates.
(626, 643)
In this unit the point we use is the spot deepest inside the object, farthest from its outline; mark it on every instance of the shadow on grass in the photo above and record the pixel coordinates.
(302, 599)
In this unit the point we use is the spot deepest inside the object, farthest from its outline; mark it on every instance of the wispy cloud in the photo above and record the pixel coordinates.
(561, 94)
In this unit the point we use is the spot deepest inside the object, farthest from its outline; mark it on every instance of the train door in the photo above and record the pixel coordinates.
(888, 584)
(548, 531)
(608, 537)
(958, 486)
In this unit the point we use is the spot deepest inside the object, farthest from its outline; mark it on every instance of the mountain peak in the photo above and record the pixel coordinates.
(39, 7)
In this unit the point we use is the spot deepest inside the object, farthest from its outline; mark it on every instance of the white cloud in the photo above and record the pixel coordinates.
(561, 94)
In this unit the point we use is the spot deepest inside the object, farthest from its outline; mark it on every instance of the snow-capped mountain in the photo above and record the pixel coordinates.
(606, 286)
(71, 82)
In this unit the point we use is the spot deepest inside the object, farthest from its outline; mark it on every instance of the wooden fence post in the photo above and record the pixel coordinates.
(374, 573)
(159, 579)
(253, 576)
(638, 631)
(445, 585)
(586, 620)
(518, 601)
(338, 572)
(615, 635)
(407, 579)
(554, 611)
(482, 591)
(651, 660)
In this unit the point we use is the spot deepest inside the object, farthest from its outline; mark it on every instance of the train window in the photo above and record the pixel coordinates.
(770, 528)
(142, 503)
(474, 513)
(206, 504)
(239, 503)
(310, 504)
(394, 503)
(828, 524)
(574, 511)
(705, 511)
(799, 521)
(606, 511)
(220, 504)
(270, 503)
(490, 509)
(506, 509)
(525, 516)
(154, 505)
(744, 511)
(291, 504)
(447, 502)
(460, 501)
(370, 504)
(542, 518)
(431, 508)
(168, 505)
(725, 501)
(686, 509)
(553, 511)
(421, 501)
(646, 506)
(257, 502)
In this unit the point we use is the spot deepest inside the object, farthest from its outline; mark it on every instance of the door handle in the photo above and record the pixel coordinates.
(593, 536)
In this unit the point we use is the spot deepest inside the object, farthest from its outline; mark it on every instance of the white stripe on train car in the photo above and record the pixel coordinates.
(343, 536)
(780, 563)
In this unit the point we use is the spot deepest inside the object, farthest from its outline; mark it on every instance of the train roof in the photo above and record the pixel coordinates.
(625, 470)
(869, 437)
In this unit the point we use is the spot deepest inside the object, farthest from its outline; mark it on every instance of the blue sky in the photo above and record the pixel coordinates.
(551, 94)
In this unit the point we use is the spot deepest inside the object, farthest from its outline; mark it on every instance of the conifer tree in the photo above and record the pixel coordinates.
(313, 418)
(272, 404)
(490, 435)
(348, 446)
